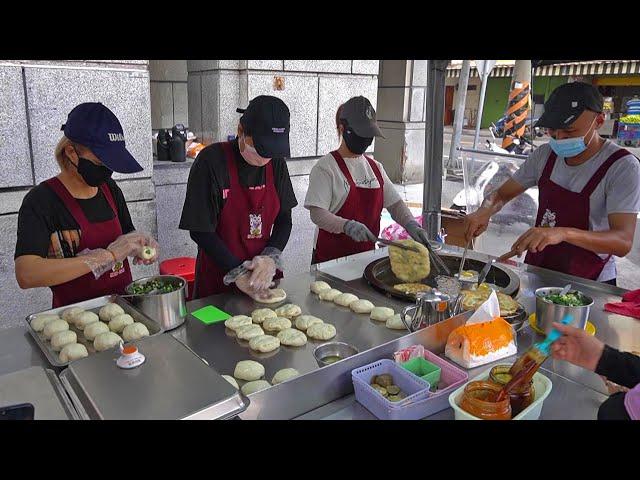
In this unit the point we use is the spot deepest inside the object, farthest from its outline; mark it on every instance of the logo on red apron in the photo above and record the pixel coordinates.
(117, 269)
(255, 225)
(548, 219)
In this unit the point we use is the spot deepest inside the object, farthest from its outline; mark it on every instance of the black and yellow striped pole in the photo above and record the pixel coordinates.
(519, 104)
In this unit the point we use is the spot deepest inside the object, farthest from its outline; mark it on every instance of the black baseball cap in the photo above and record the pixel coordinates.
(97, 128)
(267, 118)
(567, 102)
(361, 117)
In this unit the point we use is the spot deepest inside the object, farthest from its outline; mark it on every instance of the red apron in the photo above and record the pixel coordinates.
(93, 235)
(244, 226)
(568, 209)
(363, 205)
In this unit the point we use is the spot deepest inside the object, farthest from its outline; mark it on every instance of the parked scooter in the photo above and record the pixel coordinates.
(520, 146)
(489, 178)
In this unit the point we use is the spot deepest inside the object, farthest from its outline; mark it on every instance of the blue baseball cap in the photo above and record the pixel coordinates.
(97, 128)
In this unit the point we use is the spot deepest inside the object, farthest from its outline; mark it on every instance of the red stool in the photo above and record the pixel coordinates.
(184, 267)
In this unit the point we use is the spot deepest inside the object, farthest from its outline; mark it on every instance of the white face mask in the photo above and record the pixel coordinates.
(251, 155)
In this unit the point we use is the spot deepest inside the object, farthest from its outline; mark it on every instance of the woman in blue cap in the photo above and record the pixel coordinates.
(74, 230)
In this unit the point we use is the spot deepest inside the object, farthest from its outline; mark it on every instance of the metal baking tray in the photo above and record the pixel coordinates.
(172, 384)
(92, 305)
(41, 388)
(380, 276)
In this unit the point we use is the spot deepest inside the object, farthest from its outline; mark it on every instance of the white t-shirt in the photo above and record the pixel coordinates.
(618, 192)
(328, 187)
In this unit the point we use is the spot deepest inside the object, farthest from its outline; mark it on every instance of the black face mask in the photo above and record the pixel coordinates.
(356, 144)
(94, 175)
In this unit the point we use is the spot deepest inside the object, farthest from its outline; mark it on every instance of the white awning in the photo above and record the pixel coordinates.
(597, 67)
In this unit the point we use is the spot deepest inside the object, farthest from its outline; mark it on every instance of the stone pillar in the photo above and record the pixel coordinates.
(401, 115)
(168, 82)
(35, 98)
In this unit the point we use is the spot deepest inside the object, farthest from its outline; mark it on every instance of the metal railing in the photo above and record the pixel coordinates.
(492, 153)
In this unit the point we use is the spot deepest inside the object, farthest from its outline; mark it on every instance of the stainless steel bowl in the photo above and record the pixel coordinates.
(333, 349)
(168, 309)
(548, 312)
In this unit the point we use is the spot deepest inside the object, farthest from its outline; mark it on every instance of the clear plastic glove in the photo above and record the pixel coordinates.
(149, 253)
(99, 260)
(263, 268)
(127, 245)
(420, 235)
(243, 284)
(358, 232)
(232, 275)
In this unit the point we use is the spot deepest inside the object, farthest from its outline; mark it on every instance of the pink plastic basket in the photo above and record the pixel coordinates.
(450, 379)
(416, 389)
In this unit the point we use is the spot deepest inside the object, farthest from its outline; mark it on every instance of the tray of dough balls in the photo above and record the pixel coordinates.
(278, 341)
(76, 331)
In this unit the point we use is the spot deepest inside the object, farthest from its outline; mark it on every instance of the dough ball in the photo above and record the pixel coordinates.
(345, 299)
(232, 381)
(60, 339)
(148, 253)
(41, 321)
(118, 322)
(247, 332)
(54, 327)
(264, 344)
(292, 337)
(253, 387)
(284, 374)
(396, 323)
(318, 287)
(86, 318)
(407, 265)
(288, 311)
(261, 314)
(135, 331)
(321, 331)
(70, 314)
(238, 321)
(361, 306)
(381, 314)
(305, 321)
(276, 324)
(105, 341)
(73, 351)
(109, 311)
(329, 295)
(248, 370)
(276, 295)
(94, 329)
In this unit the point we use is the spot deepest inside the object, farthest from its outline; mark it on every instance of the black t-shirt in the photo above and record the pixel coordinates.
(209, 177)
(47, 229)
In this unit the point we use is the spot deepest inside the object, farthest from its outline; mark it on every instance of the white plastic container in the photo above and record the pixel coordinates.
(541, 384)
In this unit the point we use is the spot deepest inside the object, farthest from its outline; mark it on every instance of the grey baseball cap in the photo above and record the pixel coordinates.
(361, 117)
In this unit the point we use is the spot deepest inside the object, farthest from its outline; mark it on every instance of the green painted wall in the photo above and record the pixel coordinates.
(495, 100)
(497, 95)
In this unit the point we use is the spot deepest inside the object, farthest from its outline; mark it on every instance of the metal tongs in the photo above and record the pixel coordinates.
(391, 243)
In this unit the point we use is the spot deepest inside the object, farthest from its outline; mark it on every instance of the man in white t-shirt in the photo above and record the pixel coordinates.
(589, 191)
(348, 190)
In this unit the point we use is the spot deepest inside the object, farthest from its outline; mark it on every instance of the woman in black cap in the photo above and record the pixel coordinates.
(348, 190)
(74, 230)
(238, 203)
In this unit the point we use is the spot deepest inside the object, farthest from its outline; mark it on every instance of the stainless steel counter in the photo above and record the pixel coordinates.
(327, 392)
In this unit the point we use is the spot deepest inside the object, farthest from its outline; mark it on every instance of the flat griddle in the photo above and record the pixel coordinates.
(380, 276)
